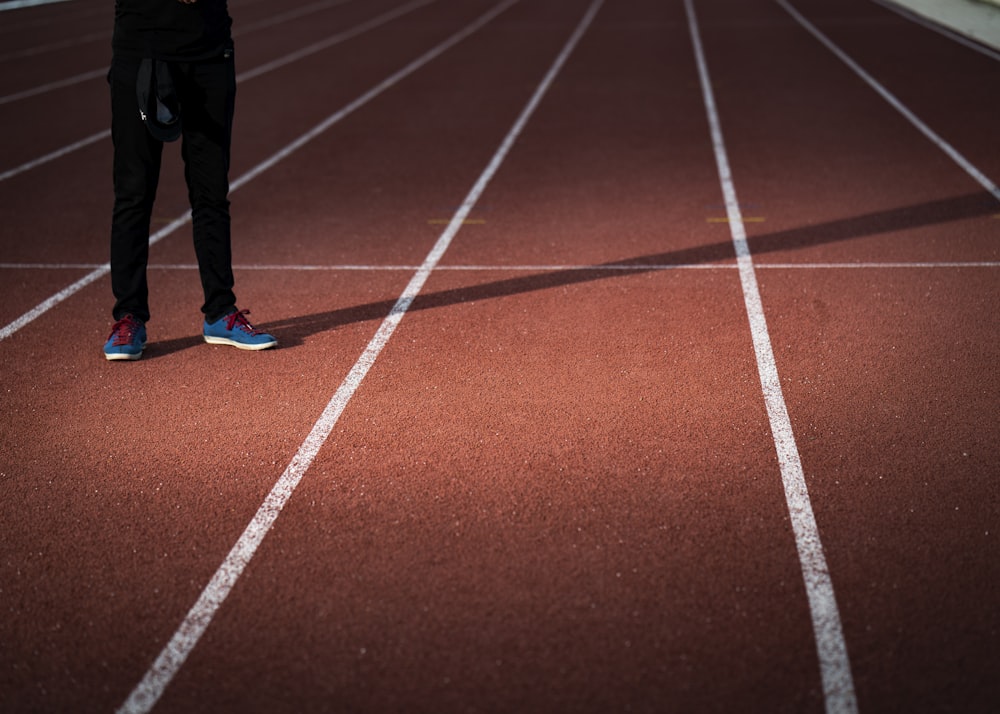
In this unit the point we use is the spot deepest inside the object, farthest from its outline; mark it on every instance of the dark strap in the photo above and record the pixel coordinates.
(157, 98)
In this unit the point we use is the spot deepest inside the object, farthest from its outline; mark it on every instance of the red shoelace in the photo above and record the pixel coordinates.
(124, 330)
(239, 319)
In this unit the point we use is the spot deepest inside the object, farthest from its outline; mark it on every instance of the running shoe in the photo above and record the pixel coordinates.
(127, 339)
(234, 329)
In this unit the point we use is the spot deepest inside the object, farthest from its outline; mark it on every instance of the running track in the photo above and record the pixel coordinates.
(635, 356)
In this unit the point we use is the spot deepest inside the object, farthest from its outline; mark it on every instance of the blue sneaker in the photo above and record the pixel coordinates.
(234, 329)
(127, 339)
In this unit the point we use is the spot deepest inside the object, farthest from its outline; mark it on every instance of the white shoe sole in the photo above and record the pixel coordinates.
(118, 356)
(239, 345)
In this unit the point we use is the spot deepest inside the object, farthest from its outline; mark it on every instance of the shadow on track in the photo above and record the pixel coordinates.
(292, 331)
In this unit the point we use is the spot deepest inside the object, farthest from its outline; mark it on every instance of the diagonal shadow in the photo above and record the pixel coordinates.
(291, 331)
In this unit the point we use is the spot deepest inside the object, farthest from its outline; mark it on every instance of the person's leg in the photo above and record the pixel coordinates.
(136, 172)
(207, 92)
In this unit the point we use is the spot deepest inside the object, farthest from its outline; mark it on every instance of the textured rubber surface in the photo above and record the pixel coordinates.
(555, 488)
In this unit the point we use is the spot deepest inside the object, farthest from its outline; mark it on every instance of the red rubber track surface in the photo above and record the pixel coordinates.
(556, 490)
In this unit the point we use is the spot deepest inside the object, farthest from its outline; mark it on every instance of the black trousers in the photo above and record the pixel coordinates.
(207, 92)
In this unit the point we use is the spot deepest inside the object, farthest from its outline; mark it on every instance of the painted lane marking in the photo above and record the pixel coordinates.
(54, 46)
(70, 290)
(326, 44)
(27, 21)
(610, 267)
(304, 139)
(281, 17)
(835, 668)
(91, 74)
(52, 156)
(172, 657)
(50, 86)
(947, 148)
(374, 92)
(243, 29)
(18, 4)
(242, 77)
(877, 266)
(940, 29)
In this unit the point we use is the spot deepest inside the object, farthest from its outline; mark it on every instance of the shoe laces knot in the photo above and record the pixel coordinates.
(123, 331)
(239, 320)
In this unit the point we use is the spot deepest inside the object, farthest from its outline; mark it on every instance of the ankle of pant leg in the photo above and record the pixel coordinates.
(212, 318)
(140, 315)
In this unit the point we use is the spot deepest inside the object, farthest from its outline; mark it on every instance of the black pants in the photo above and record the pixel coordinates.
(207, 92)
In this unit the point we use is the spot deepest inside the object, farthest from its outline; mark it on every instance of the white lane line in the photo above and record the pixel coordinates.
(242, 30)
(876, 266)
(947, 148)
(92, 139)
(70, 290)
(149, 690)
(336, 39)
(627, 267)
(611, 267)
(53, 46)
(18, 4)
(27, 21)
(295, 14)
(372, 93)
(242, 77)
(835, 668)
(103, 35)
(304, 139)
(58, 84)
(49, 266)
(941, 29)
